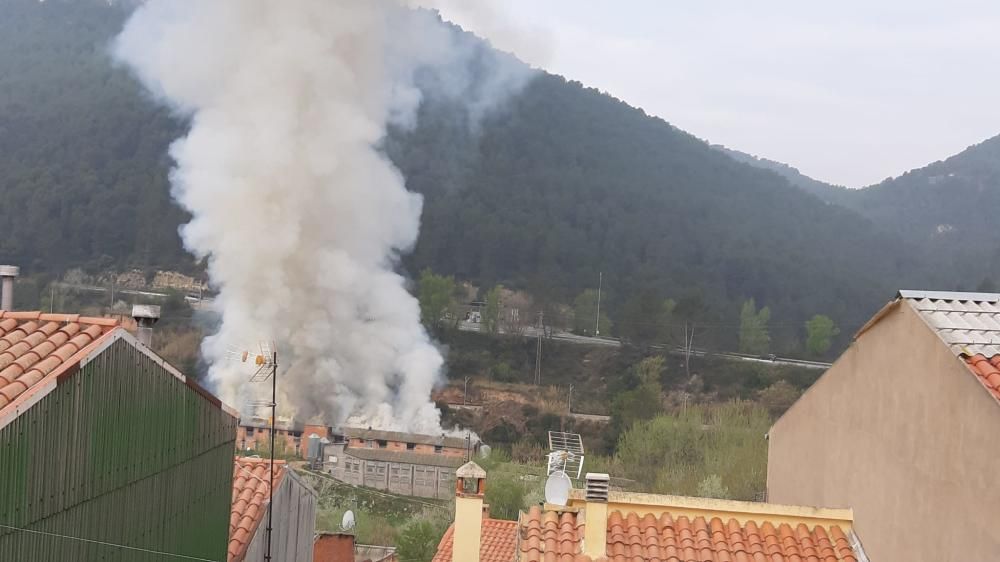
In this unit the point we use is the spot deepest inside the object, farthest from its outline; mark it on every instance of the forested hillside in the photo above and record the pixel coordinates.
(564, 183)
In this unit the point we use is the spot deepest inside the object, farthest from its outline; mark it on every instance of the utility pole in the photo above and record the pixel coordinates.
(570, 407)
(465, 394)
(597, 321)
(538, 350)
(274, 423)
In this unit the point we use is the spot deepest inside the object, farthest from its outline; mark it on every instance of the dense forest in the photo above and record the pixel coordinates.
(562, 184)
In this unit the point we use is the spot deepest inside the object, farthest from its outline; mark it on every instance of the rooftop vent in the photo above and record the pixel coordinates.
(146, 316)
(7, 274)
(597, 487)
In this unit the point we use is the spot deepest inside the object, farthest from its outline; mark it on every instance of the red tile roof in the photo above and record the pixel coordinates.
(498, 543)
(34, 346)
(548, 537)
(251, 478)
(988, 371)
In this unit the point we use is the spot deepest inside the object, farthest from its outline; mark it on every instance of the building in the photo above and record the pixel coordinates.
(903, 428)
(293, 520)
(403, 463)
(254, 435)
(602, 525)
(105, 448)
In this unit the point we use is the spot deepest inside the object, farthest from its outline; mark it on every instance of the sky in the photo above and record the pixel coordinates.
(848, 92)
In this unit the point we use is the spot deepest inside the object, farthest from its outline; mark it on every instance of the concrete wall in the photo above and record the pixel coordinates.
(899, 430)
(294, 524)
(401, 478)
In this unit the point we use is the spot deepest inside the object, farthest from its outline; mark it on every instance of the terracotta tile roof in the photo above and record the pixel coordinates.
(546, 536)
(498, 543)
(34, 346)
(988, 371)
(251, 479)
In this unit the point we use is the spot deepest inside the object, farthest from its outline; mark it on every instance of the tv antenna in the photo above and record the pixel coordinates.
(565, 454)
(264, 361)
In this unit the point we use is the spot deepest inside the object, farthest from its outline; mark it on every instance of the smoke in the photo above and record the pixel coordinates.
(301, 217)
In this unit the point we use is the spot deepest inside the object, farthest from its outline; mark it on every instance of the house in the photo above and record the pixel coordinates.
(403, 463)
(597, 524)
(903, 428)
(293, 519)
(105, 449)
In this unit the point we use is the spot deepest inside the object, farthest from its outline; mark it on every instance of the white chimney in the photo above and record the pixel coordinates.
(7, 275)
(595, 540)
(146, 316)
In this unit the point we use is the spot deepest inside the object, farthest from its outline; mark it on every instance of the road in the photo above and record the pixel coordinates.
(532, 332)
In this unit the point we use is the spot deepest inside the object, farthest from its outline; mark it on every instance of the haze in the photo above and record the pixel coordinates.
(848, 92)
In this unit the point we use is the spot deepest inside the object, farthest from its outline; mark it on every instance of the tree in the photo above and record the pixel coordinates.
(585, 314)
(645, 400)
(778, 397)
(436, 294)
(491, 314)
(820, 331)
(689, 311)
(754, 337)
(645, 319)
(505, 496)
(418, 541)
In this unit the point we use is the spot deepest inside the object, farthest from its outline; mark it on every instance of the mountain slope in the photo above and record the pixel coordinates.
(562, 184)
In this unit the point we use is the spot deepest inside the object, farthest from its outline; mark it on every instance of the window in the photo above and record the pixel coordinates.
(250, 431)
(411, 446)
(370, 444)
(438, 449)
(382, 443)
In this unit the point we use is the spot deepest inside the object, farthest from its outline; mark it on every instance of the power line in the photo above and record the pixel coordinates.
(103, 543)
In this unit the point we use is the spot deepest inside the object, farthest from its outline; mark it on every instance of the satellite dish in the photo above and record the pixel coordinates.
(557, 488)
(347, 523)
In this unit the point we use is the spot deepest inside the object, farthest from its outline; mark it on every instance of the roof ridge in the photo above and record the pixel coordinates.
(64, 318)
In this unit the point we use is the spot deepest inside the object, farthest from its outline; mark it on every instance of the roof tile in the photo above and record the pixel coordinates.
(498, 542)
(34, 345)
(251, 478)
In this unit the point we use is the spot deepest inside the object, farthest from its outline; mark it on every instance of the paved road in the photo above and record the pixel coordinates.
(532, 332)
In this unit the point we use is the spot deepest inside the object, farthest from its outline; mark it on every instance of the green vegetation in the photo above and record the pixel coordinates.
(645, 400)
(436, 294)
(491, 313)
(753, 328)
(585, 315)
(418, 541)
(820, 332)
(718, 451)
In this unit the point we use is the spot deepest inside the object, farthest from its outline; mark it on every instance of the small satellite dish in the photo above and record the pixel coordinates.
(347, 523)
(557, 488)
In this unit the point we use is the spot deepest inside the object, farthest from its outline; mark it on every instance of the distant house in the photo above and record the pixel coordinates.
(602, 525)
(254, 434)
(293, 521)
(404, 463)
(106, 451)
(904, 429)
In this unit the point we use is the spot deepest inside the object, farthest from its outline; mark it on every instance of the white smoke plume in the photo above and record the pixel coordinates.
(302, 219)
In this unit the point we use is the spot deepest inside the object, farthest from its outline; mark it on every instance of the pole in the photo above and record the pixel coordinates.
(465, 394)
(570, 408)
(274, 423)
(538, 352)
(597, 321)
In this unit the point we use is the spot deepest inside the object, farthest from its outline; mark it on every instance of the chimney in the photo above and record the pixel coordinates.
(470, 486)
(595, 538)
(7, 275)
(146, 316)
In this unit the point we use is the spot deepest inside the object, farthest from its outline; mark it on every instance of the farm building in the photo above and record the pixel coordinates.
(403, 463)
(107, 452)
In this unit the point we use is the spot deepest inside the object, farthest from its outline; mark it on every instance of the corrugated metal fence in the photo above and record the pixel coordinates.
(122, 452)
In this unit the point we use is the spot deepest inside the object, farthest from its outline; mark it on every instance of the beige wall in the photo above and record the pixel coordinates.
(899, 430)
